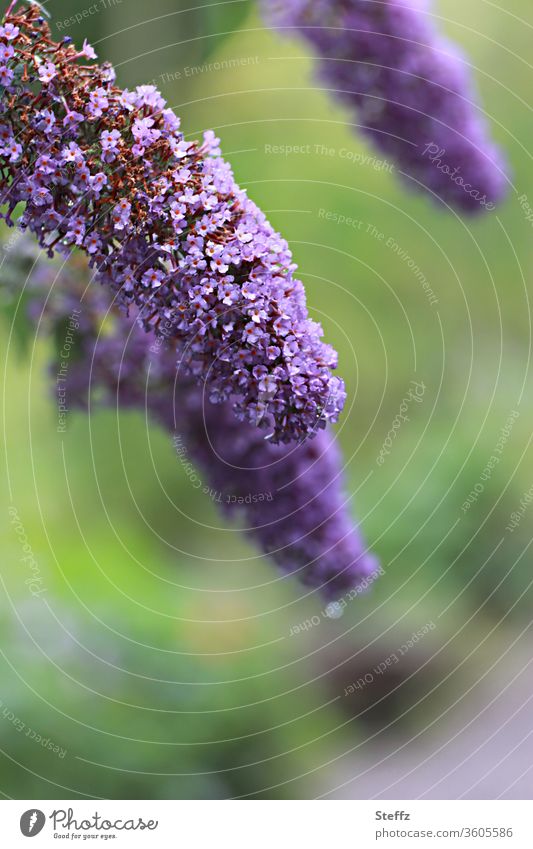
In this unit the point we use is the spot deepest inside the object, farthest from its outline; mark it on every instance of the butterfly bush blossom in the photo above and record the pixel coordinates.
(290, 497)
(410, 88)
(165, 226)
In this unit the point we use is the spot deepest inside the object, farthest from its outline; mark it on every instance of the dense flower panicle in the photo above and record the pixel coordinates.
(304, 524)
(108, 171)
(411, 90)
(290, 496)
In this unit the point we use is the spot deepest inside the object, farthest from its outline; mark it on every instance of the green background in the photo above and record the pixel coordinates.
(160, 655)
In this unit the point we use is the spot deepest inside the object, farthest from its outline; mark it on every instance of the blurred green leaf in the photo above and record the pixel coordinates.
(220, 21)
(14, 315)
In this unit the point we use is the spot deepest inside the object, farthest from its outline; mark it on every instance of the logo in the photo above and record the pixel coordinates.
(32, 822)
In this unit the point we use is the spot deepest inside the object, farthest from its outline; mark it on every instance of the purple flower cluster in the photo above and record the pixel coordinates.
(165, 226)
(411, 90)
(290, 496)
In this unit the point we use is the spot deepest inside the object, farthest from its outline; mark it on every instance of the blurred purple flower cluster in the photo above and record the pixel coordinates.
(164, 224)
(290, 497)
(411, 90)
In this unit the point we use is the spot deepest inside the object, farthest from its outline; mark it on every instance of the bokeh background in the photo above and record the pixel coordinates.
(164, 657)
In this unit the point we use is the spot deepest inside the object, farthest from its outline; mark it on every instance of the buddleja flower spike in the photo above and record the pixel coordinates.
(410, 88)
(108, 171)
